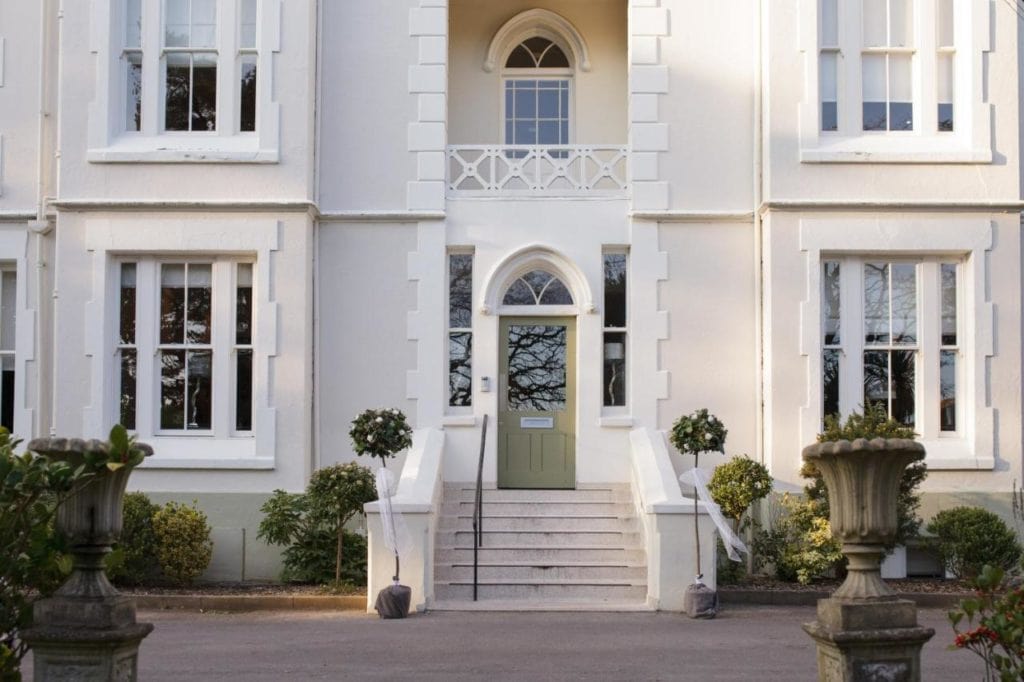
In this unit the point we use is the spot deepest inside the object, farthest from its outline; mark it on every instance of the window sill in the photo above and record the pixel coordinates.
(893, 148)
(615, 422)
(949, 454)
(458, 420)
(191, 452)
(183, 149)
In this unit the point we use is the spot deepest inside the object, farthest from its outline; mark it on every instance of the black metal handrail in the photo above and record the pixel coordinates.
(478, 507)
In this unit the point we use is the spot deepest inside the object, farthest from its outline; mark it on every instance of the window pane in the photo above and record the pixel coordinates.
(526, 132)
(830, 382)
(247, 95)
(615, 290)
(133, 91)
(945, 91)
(614, 369)
(129, 388)
(901, 93)
(902, 370)
(827, 75)
(874, 23)
(243, 304)
(172, 389)
(460, 290)
(873, 73)
(901, 26)
(520, 58)
(536, 367)
(200, 294)
(904, 302)
(178, 92)
(133, 23)
(247, 24)
(519, 293)
(204, 23)
(554, 58)
(830, 298)
(8, 309)
(876, 303)
(537, 279)
(947, 387)
(7, 376)
(127, 326)
(829, 23)
(243, 390)
(204, 92)
(176, 23)
(949, 326)
(200, 393)
(555, 294)
(944, 15)
(526, 103)
(172, 304)
(547, 103)
(460, 369)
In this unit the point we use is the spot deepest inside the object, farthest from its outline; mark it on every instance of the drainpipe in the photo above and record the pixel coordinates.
(757, 177)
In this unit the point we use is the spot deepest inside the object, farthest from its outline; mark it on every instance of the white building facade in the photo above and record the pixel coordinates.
(234, 224)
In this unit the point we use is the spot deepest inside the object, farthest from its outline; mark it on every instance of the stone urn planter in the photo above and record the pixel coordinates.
(863, 631)
(87, 630)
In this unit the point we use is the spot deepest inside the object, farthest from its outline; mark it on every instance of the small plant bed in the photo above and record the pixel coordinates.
(247, 588)
(250, 596)
(927, 592)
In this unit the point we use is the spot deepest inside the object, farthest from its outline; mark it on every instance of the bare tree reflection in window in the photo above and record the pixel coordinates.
(536, 367)
(537, 287)
(460, 369)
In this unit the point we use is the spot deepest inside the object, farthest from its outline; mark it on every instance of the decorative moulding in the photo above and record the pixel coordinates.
(536, 257)
(533, 23)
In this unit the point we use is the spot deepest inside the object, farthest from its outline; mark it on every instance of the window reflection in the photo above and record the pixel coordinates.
(536, 367)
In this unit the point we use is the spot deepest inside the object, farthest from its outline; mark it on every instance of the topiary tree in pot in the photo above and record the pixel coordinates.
(693, 434)
(384, 433)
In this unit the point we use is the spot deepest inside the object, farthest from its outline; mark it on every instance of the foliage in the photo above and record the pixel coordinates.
(120, 450)
(998, 637)
(737, 484)
(31, 558)
(698, 432)
(135, 554)
(800, 544)
(380, 433)
(875, 422)
(183, 547)
(311, 525)
(968, 538)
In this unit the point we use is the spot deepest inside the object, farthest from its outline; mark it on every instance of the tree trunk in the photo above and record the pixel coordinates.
(337, 558)
(696, 521)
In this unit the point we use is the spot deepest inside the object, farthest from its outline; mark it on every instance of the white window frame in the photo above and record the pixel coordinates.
(449, 408)
(971, 139)
(110, 141)
(117, 238)
(624, 409)
(148, 346)
(926, 348)
(566, 74)
(13, 247)
(966, 241)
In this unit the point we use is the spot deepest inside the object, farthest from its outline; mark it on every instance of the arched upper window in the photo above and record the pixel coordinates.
(537, 53)
(537, 287)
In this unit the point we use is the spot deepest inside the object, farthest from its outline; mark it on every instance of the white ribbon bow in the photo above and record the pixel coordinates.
(699, 480)
(396, 533)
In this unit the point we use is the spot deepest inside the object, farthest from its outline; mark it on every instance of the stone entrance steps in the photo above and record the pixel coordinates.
(542, 550)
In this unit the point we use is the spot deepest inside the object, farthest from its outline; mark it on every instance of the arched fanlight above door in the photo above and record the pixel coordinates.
(537, 287)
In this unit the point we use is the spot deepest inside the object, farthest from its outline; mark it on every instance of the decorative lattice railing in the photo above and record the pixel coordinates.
(527, 170)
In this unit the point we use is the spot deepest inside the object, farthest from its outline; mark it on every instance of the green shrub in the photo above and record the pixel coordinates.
(998, 637)
(799, 544)
(380, 433)
(134, 559)
(737, 484)
(183, 547)
(311, 525)
(875, 422)
(968, 538)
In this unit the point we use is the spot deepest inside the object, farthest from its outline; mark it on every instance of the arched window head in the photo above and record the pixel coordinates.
(537, 287)
(537, 53)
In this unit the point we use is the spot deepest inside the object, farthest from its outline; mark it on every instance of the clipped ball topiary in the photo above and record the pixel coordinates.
(968, 538)
(380, 433)
(184, 548)
(737, 484)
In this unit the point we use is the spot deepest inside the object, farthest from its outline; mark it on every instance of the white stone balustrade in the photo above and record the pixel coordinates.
(537, 170)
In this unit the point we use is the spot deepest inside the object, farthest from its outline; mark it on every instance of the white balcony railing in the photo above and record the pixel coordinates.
(527, 170)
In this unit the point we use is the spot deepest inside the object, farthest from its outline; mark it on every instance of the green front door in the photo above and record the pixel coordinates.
(537, 403)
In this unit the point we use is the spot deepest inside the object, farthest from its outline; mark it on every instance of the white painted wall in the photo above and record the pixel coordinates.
(363, 353)
(712, 316)
(599, 97)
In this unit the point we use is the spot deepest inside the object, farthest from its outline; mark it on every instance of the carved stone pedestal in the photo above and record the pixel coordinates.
(868, 641)
(87, 631)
